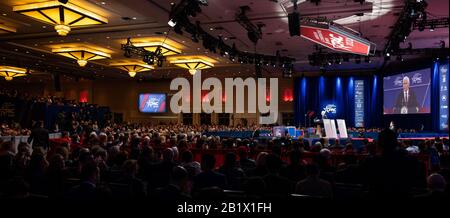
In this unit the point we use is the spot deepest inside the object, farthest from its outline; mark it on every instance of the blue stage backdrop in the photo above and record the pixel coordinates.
(316, 93)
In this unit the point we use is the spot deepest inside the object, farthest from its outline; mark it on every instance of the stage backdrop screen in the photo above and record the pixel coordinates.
(152, 103)
(407, 93)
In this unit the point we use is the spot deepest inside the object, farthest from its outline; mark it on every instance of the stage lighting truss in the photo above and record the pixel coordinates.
(323, 59)
(431, 24)
(11, 72)
(413, 11)
(179, 21)
(180, 12)
(81, 54)
(63, 16)
(254, 32)
(149, 56)
(133, 68)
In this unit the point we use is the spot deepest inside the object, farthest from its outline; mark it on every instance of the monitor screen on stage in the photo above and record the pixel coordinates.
(407, 93)
(152, 103)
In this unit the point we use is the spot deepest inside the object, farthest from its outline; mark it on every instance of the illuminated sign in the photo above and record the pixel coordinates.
(359, 103)
(336, 39)
(443, 104)
(330, 108)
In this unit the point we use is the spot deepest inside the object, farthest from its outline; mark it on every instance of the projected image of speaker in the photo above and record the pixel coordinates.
(294, 24)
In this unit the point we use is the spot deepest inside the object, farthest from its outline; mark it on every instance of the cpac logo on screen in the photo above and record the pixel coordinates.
(330, 108)
(398, 81)
(256, 95)
(417, 78)
(152, 102)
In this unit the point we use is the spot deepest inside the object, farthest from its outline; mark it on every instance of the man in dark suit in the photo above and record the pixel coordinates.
(277, 186)
(406, 102)
(394, 173)
(313, 185)
(88, 189)
(208, 178)
(39, 136)
(177, 189)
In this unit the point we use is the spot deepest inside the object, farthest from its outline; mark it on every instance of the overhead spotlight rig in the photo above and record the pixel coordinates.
(184, 9)
(147, 56)
(179, 21)
(431, 24)
(323, 59)
(254, 32)
(413, 11)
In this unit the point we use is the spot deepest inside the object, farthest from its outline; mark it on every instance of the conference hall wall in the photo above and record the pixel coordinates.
(122, 97)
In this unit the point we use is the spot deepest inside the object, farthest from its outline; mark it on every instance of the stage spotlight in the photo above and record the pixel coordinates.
(337, 60)
(149, 59)
(421, 27)
(294, 21)
(346, 58)
(311, 60)
(127, 53)
(177, 29)
(172, 23)
(409, 46)
(251, 60)
(315, 2)
(253, 36)
(388, 54)
(160, 62)
(194, 38)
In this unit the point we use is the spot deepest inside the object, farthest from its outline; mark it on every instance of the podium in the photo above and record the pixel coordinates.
(331, 131)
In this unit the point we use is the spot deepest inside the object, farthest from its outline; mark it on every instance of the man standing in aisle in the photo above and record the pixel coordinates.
(39, 136)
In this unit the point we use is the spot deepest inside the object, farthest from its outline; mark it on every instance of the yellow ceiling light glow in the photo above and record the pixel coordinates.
(193, 65)
(63, 16)
(10, 72)
(167, 46)
(7, 29)
(133, 68)
(81, 54)
(166, 49)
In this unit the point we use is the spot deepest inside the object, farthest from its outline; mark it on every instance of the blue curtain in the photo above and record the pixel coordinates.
(313, 93)
(374, 95)
(435, 92)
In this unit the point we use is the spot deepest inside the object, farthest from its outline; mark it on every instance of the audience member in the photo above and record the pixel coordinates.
(313, 185)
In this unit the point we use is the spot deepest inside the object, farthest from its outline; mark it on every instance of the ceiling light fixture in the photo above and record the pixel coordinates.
(164, 48)
(81, 54)
(10, 72)
(193, 65)
(62, 15)
(133, 68)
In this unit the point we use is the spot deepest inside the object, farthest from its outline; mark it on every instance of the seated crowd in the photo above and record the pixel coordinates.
(136, 161)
